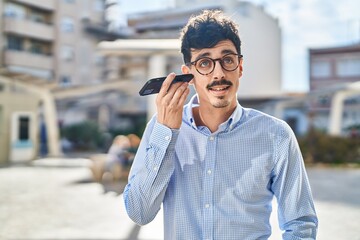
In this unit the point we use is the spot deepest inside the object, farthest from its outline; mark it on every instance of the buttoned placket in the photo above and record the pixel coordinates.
(208, 183)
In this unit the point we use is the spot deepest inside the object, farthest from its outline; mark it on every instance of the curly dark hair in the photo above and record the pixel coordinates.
(206, 30)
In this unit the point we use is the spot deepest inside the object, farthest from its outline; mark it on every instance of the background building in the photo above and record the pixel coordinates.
(261, 47)
(259, 32)
(50, 58)
(47, 39)
(334, 69)
(46, 46)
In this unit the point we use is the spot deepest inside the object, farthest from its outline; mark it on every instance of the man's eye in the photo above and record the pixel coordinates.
(228, 60)
(204, 63)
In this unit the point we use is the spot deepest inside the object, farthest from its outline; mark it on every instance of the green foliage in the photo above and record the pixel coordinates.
(138, 130)
(318, 147)
(88, 136)
(137, 127)
(84, 136)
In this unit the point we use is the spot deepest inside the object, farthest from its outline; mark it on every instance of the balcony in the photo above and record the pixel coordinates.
(28, 28)
(28, 60)
(42, 4)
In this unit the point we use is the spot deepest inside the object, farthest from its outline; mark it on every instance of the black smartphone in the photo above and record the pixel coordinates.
(153, 85)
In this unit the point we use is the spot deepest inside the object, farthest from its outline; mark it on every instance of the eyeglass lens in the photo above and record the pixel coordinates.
(206, 65)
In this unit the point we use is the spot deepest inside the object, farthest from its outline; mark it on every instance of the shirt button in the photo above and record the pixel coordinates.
(207, 205)
(211, 138)
(155, 168)
(167, 138)
(209, 171)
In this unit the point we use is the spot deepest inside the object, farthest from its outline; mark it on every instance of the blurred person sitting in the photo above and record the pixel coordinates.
(134, 143)
(118, 157)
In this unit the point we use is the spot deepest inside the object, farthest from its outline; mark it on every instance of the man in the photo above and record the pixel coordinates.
(214, 165)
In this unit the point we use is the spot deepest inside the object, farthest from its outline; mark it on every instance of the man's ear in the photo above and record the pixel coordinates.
(185, 70)
(241, 67)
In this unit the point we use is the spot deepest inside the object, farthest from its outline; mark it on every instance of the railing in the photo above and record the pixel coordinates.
(27, 59)
(42, 4)
(29, 28)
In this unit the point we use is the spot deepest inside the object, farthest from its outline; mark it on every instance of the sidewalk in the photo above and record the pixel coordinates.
(57, 199)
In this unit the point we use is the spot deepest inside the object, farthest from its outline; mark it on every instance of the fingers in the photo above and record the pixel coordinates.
(166, 85)
(170, 102)
(181, 93)
(184, 95)
(171, 92)
(174, 95)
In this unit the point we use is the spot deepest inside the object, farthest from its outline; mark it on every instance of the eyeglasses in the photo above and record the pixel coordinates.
(205, 65)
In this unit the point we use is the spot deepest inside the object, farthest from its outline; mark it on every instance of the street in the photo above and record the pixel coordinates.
(57, 199)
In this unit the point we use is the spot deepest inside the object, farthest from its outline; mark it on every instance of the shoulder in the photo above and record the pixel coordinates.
(266, 122)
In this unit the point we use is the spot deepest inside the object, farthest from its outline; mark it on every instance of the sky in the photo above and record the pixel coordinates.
(304, 24)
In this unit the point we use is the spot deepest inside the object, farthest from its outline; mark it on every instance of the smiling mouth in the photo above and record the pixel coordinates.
(219, 86)
(219, 89)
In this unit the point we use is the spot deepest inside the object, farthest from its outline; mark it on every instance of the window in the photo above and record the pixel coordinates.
(85, 54)
(14, 10)
(353, 101)
(324, 101)
(39, 47)
(36, 47)
(99, 5)
(38, 16)
(15, 43)
(24, 128)
(65, 81)
(320, 69)
(67, 53)
(67, 24)
(293, 123)
(348, 67)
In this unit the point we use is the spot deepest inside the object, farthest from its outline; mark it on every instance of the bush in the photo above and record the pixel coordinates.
(84, 136)
(318, 147)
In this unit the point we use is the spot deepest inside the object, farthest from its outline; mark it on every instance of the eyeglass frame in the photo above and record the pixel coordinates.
(214, 62)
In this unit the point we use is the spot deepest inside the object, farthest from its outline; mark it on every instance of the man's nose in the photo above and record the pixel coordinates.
(218, 70)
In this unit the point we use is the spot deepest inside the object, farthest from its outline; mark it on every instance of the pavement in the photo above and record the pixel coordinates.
(57, 199)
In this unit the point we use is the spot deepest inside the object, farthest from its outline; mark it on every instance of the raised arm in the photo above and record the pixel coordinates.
(153, 165)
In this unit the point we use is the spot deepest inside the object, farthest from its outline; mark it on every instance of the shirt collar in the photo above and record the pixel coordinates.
(228, 125)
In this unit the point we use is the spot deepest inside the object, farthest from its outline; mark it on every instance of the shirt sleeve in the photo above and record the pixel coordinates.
(296, 212)
(150, 173)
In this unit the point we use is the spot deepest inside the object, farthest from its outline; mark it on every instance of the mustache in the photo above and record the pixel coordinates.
(218, 83)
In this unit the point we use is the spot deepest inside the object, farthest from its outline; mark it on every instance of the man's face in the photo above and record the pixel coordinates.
(217, 89)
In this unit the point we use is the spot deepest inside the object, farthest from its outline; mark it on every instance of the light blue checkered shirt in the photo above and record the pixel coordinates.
(220, 185)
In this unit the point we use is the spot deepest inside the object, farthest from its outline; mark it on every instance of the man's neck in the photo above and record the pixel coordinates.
(212, 118)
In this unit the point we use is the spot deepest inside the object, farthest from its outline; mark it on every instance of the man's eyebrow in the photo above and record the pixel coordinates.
(207, 54)
(227, 51)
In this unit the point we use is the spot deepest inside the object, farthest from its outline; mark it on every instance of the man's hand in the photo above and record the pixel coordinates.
(170, 102)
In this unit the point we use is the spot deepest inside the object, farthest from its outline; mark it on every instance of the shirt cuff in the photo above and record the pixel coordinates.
(163, 137)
